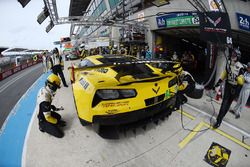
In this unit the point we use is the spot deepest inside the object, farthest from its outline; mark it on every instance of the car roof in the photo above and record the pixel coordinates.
(104, 59)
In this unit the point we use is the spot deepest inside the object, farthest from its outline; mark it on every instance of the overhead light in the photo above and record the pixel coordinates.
(185, 40)
(43, 15)
(23, 2)
(50, 26)
(194, 44)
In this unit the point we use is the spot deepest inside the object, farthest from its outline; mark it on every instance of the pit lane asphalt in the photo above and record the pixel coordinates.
(13, 88)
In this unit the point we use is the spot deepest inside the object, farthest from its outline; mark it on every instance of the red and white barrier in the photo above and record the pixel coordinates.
(14, 70)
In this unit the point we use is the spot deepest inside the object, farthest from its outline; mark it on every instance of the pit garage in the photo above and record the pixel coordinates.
(181, 40)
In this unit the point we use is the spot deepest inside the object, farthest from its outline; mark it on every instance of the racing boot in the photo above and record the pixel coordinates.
(61, 123)
(216, 125)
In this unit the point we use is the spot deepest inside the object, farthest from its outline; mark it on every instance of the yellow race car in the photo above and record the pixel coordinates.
(118, 89)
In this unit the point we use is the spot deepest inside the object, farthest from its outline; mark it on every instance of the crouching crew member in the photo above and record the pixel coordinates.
(49, 120)
(233, 81)
(186, 84)
(57, 65)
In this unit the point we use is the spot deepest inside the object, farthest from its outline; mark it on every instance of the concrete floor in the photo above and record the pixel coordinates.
(162, 145)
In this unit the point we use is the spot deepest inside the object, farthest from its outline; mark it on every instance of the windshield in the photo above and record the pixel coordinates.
(138, 71)
(85, 63)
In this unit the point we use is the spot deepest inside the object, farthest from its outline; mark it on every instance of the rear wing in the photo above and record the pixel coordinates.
(74, 69)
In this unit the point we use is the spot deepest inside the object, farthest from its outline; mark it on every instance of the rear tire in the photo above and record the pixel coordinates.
(84, 123)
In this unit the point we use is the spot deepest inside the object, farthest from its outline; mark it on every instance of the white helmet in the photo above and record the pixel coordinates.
(236, 52)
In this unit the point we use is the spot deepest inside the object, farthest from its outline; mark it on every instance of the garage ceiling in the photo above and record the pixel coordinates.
(77, 7)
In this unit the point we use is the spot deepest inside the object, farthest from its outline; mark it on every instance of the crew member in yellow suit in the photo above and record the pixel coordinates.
(233, 76)
(49, 121)
(186, 84)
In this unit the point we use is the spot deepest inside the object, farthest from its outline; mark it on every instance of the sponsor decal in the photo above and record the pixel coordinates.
(35, 58)
(183, 19)
(243, 21)
(114, 111)
(167, 94)
(102, 70)
(115, 104)
(84, 83)
(215, 27)
(85, 73)
(213, 6)
(217, 155)
(6, 73)
(217, 21)
(16, 69)
(156, 90)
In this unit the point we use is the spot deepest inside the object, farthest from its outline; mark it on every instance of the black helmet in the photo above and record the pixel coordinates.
(55, 51)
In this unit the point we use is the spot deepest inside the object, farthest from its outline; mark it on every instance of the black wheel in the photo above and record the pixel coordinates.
(84, 123)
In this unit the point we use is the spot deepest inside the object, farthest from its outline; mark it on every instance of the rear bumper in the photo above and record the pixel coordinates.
(164, 107)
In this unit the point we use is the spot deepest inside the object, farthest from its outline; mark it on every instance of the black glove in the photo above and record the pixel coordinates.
(218, 83)
(56, 109)
(53, 108)
(61, 123)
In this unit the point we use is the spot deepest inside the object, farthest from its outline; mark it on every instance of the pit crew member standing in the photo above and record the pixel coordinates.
(45, 61)
(244, 93)
(233, 81)
(56, 65)
(186, 84)
(49, 121)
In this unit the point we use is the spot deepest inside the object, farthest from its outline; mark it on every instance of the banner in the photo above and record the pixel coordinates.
(243, 21)
(183, 19)
(215, 27)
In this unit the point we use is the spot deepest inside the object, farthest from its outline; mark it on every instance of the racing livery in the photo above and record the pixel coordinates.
(118, 89)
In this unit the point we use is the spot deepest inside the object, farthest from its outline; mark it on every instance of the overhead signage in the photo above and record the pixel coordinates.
(159, 3)
(183, 19)
(243, 21)
(104, 33)
(68, 45)
(215, 27)
(140, 17)
(213, 6)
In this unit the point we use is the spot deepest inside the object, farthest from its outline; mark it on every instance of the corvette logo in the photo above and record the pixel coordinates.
(156, 90)
(216, 22)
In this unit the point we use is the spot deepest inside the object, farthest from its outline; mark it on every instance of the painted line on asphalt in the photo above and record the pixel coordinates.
(14, 130)
(229, 137)
(186, 114)
(189, 137)
(244, 133)
(24, 153)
